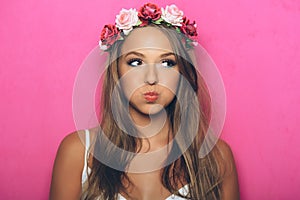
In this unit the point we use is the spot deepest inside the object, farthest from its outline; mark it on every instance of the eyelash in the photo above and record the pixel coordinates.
(129, 62)
(170, 62)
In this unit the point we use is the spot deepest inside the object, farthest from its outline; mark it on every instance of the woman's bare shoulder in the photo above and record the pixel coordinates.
(230, 186)
(226, 158)
(225, 150)
(72, 144)
(71, 151)
(75, 141)
(68, 167)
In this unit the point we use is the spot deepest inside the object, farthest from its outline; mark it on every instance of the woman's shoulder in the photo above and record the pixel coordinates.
(68, 166)
(224, 148)
(230, 187)
(74, 142)
(226, 156)
(71, 148)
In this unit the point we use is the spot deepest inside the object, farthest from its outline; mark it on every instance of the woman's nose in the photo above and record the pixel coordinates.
(151, 74)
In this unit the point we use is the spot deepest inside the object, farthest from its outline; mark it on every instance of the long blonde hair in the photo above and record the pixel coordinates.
(203, 175)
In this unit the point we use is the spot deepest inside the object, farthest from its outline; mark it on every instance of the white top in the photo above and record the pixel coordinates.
(86, 170)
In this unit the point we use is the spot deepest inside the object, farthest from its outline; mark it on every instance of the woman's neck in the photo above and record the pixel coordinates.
(153, 129)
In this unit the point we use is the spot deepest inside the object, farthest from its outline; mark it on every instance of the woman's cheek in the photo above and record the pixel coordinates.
(131, 81)
(169, 79)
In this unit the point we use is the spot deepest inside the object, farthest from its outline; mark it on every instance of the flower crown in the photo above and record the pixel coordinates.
(149, 13)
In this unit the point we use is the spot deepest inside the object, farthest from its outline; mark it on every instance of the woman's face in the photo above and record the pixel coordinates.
(148, 71)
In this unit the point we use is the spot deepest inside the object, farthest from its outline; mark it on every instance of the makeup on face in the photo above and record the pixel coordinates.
(151, 96)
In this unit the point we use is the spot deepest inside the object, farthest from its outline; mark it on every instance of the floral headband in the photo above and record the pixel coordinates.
(126, 20)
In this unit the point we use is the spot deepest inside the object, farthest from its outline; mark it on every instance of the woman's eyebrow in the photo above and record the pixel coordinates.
(167, 54)
(135, 53)
(143, 56)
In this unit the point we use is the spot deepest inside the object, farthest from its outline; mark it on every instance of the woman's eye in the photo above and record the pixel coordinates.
(168, 63)
(135, 62)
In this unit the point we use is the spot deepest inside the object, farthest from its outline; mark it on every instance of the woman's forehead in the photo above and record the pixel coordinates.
(146, 38)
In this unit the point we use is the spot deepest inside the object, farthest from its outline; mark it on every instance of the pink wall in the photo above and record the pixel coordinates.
(255, 44)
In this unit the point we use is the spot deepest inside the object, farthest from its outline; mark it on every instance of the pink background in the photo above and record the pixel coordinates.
(255, 44)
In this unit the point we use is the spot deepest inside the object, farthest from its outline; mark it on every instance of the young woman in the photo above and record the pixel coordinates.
(154, 119)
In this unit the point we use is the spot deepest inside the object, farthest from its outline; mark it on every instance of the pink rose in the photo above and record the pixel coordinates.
(172, 15)
(149, 12)
(126, 19)
(189, 29)
(110, 33)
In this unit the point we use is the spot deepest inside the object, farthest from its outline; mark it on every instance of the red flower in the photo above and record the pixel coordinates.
(110, 33)
(149, 12)
(188, 28)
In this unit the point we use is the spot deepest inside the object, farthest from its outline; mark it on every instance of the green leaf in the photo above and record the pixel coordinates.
(138, 23)
(121, 38)
(158, 21)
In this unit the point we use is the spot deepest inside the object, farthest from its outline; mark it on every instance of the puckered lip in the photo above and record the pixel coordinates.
(151, 96)
(151, 93)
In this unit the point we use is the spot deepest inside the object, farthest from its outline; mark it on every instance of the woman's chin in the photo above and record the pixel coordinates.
(153, 109)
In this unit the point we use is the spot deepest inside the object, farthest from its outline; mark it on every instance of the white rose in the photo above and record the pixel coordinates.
(172, 15)
(126, 19)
